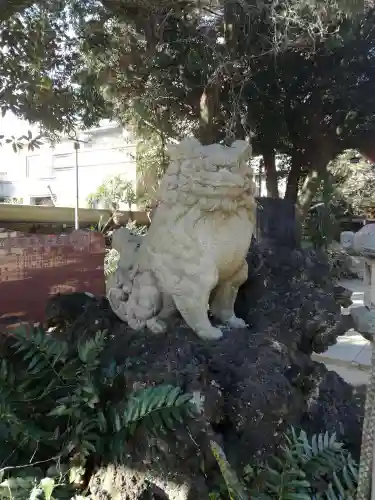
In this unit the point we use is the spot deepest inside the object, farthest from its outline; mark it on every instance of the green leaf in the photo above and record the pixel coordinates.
(47, 484)
(160, 405)
(58, 411)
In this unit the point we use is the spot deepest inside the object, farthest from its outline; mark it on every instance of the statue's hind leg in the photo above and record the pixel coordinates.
(157, 323)
(192, 302)
(224, 297)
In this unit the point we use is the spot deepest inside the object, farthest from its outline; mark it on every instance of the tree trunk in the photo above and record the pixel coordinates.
(312, 182)
(291, 192)
(317, 169)
(308, 191)
(277, 224)
(271, 174)
(208, 109)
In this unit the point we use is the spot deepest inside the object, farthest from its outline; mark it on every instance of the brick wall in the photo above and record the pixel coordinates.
(33, 267)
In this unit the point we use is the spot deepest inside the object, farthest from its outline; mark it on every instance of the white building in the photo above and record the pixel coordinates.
(34, 177)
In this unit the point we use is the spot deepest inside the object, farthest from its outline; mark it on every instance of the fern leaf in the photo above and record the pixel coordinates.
(325, 459)
(286, 480)
(319, 468)
(160, 406)
(40, 351)
(157, 424)
(20, 430)
(344, 482)
(350, 478)
(290, 495)
(338, 485)
(90, 349)
(314, 445)
(102, 422)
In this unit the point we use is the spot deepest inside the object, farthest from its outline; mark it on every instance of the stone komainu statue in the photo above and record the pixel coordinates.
(193, 255)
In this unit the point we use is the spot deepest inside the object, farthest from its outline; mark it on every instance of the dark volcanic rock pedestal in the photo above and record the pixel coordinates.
(253, 384)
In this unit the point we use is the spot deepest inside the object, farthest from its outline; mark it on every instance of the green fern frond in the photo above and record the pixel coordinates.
(15, 396)
(84, 360)
(19, 430)
(153, 408)
(7, 374)
(318, 467)
(282, 477)
(90, 349)
(84, 441)
(343, 483)
(318, 452)
(40, 351)
(111, 372)
(286, 481)
(157, 408)
(325, 461)
(116, 446)
(57, 400)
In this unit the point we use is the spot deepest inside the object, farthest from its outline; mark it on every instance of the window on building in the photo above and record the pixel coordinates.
(44, 201)
(63, 160)
(38, 166)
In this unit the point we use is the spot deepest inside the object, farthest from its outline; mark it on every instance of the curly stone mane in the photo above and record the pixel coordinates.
(207, 178)
(194, 252)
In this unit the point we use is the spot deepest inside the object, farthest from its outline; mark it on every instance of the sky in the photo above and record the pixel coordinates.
(11, 125)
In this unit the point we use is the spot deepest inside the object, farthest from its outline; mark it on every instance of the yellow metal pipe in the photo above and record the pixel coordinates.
(64, 215)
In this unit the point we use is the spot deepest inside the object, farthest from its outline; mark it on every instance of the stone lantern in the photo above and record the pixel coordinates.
(363, 243)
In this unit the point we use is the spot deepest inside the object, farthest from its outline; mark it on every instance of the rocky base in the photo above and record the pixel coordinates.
(253, 384)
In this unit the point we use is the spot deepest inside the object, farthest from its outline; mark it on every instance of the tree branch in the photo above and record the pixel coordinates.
(10, 7)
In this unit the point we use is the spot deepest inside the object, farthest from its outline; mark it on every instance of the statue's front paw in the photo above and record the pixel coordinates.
(156, 325)
(115, 297)
(126, 289)
(235, 322)
(210, 333)
(136, 324)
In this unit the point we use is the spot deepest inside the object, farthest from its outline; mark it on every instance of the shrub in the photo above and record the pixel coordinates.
(112, 256)
(111, 260)
(319, 468)
(340, 264)
(59, 404)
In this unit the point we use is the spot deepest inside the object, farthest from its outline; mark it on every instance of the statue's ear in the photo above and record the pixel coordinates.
(185, 149)
(173, 151)
(116, 236)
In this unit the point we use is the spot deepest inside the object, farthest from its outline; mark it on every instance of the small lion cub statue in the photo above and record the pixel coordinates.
(119, 284)
(194, 255)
